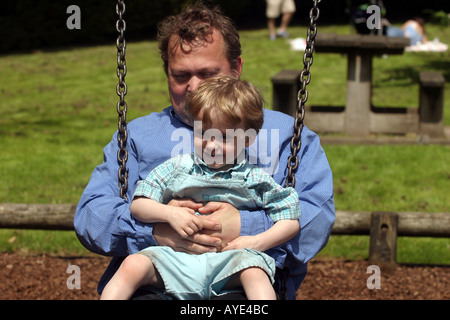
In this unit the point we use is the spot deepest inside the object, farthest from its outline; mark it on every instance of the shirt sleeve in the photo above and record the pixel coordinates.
(103, 222)
(278, 202)
(155, 183)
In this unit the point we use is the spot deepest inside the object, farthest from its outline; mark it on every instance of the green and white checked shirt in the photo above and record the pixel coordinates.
(279, 203)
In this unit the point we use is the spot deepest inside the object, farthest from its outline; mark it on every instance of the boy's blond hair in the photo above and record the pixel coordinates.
(234, 100)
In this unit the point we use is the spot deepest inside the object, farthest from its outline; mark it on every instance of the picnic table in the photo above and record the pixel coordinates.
(358, 117)
(360, 50)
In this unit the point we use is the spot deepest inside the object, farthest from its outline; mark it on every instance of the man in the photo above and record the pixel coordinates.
(197, 44)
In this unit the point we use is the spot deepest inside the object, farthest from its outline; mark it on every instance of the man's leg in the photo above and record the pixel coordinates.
(285, 20)
(271, 26)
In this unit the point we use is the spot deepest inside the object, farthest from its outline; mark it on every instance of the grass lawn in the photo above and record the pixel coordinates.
(59, 112)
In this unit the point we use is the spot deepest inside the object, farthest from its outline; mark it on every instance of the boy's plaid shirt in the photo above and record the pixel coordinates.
(278, 202)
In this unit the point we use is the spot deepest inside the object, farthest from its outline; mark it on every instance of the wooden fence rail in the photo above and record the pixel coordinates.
(383, 227)
(60, 217)
(413, 224)
(37, 216)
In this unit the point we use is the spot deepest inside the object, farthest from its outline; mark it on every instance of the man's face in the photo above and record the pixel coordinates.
(188, 68)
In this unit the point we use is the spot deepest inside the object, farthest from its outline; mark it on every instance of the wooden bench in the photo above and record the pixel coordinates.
(431, 104)
(286, 85)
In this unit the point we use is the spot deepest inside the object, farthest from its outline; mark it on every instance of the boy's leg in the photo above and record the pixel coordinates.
(256, 284)
(135, 271)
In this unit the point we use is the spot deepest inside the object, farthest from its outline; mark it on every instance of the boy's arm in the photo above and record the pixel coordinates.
(281, 232)
(181, 219)
(149, 211)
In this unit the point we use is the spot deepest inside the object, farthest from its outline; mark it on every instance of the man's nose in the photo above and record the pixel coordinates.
(193, 83)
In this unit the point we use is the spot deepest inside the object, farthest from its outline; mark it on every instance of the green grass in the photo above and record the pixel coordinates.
(391, 178)
(61, 243)
(59, 112)
(409, 249)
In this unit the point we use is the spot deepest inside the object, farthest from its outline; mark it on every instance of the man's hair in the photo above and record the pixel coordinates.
(193, 26)
(235, 101)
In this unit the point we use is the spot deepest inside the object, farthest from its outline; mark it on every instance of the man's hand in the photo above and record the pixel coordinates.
(165, 235)
(229, 218)
(222, 225)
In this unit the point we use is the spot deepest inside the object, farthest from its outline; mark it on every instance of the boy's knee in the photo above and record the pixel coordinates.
(253, 273)
(134, 262)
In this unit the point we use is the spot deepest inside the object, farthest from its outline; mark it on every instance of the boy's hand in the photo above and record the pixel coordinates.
(242, 242)
(219, 228)
(184, 221)
(198, 243)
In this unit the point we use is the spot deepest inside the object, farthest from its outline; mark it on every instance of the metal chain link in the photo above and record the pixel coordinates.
(121, 89)
(302, 97)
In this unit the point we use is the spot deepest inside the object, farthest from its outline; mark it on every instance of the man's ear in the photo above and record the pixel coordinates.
(238, 70)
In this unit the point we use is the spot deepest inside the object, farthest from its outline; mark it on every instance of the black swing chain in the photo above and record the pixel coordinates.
(121, 89)
(302, 97)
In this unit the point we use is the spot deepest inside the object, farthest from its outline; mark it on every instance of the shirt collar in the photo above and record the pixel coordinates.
(204, 168)
(176, 116)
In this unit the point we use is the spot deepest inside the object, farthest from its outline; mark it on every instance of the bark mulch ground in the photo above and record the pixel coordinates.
(45, 277)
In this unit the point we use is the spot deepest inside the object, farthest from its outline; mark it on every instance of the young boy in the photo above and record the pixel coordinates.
(227, 113)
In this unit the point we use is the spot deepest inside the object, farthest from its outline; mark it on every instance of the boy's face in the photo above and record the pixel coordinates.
(221, 143)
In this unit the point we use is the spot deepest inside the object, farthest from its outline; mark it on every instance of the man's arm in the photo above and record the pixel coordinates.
(102, 219)
(314, 185)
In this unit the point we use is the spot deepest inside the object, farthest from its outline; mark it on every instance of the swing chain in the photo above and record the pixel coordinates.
(121, 89)
(302, 97)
